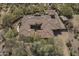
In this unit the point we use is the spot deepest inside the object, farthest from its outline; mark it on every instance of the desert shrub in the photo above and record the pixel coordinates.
(73, 52)
(18, 12)
(75, 8)
(33, 46)
(26, 39)
(10, 33)
(54, 6)
(69, 44)
(31, 9)
(15, 47)
(6, 20)
(42, 47)
(19, 49)
(66, 11)
(63, 9)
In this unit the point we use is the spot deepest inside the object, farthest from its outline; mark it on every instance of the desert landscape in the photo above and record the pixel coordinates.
(39, 29)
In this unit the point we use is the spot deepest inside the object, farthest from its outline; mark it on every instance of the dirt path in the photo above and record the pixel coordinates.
(63, 38)
(1, 53)
(1, 49)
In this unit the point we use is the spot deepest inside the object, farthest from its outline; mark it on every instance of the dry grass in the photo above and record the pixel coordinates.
(75, 21)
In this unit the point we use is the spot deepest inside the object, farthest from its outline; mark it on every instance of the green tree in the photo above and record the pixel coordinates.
(66, 11)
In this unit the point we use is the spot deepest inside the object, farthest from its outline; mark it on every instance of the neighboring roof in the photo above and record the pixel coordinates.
(64, 18)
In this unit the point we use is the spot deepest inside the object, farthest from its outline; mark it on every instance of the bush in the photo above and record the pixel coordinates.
(54, 6)
(6, 20)
(32, 46)
(11, 33)
(66, 11)
(18, 12)
(75, 8)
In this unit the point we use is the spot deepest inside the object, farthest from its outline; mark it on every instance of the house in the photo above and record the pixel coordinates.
(44, 25)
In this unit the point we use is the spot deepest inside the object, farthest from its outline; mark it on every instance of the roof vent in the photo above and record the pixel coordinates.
(36, 27)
